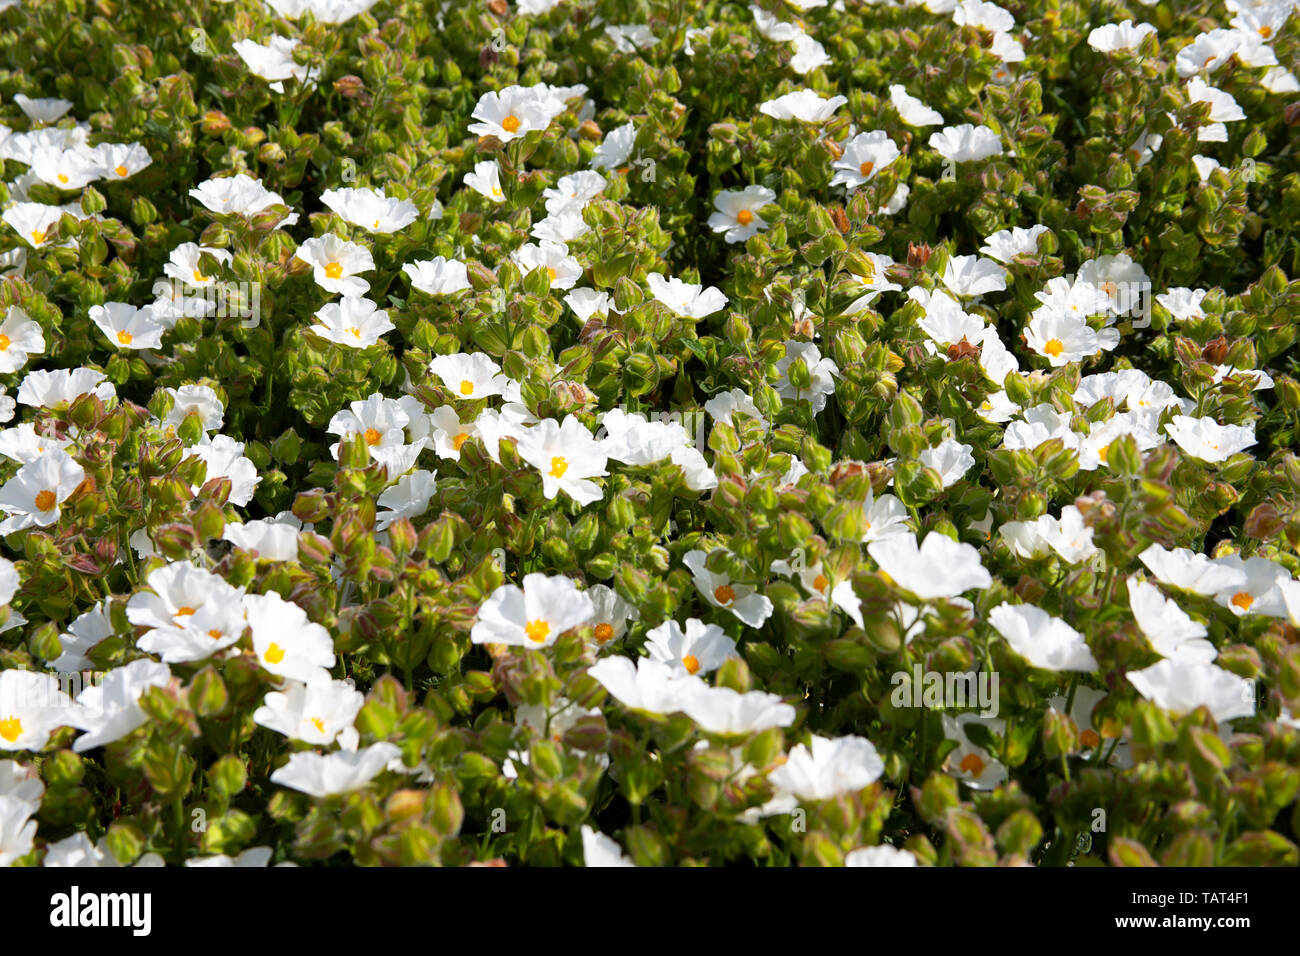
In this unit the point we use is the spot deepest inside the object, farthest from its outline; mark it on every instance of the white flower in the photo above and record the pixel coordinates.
(324, 775)
(371, 209)
(198, 399)
(17, 828)
(127, 327)
(950, 458)
(647, 685)
(718, 589)
(611, 614)
(807, 106)
(534, 615)
(1182, 303)
(118, 161)
(42, 110)
(883, 517)
(78, 851)
(865, 155)
(939, 567)
(971, 275)
(563, 270)
(1206, 439)
(883, 855)
(1171, 632)
(438, 276)
(831, 766)
(1114, 37)
(274, 61)
(808, 55)
(285, 642)
(408, 498)
(239, 195)
(700, 649)
(737, 212)
(190, 613)
(1062, 338)
(335, 263)
(1181, 686)
(514, 112)
(574, 191)
(724, 405)
(968, 762)
(184, 264)
(1223, 109)
(274, 539)
(600, 850)
(318, 712)
(1068, 536)
(721, 710)
(20, 339)
(33, 221)
(615, 149)
(31, 708)
(567, 456)
(821, 372)
(225, 458)
(1193, 572)
(1260, 593)
(683, 298)
(353, 322)
(85, 631)
(34, 494)
(63, 168)
(1043, 640)
(912, 110)
(110, 710)
(381, 422)
(254, 856)
(561, 227)
(966, 143)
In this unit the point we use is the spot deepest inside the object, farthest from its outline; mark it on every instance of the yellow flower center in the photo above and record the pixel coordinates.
(744, 217)
(45, 500)
(466, 387)
(63, 179)
(373, 436)
(537, 630)
(10, 728)
(1089, 738)
(552, 273)
(199, 276)
(333, 270)
(604, 632)
(1109, 288)
(121, 170)
(356, 332)
(558, 466)
(1054, 347)
(1266, 31)
(214, 634)
(820, 582)
(376, 225)
(724, 594)
(4, 342)
(459, 440)
(125, 337)
(1103, 451)
(1243, 600)
(865, 169)
(497, 193)
(972, 764)
(510, 124)
(691, 663)
(318, 724)
(184, 611)
(274, 654)
(37, 237)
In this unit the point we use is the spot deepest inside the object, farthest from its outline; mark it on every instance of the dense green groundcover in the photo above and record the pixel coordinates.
(1070, 403)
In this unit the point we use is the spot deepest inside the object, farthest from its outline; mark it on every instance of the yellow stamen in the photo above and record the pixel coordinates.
(4, 342)
(1103, 451)
(199, 276)
(537, 630)
(972, 764)
(552, 273)
(466, 387)
(1243, 600)
(604, 632)
(691, 663)
(1089, 738)
(373, 436)
(459, 440)
(865, 169)
(820, 582)
(1266, 31)
(274, 654)
(318, 724)
(185, 611)
(333, 270)
(63, 179)
(121, 171)
(125, 337)
(45, 500)
(724, 594)
(510, 124)
(37, 237)
(10, 728)
(744, 217)
(558, 466)
(1054, 347)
